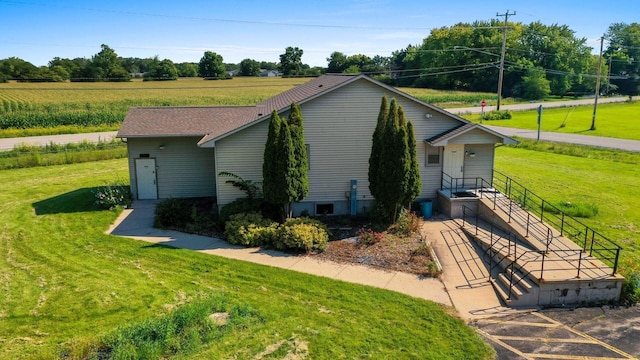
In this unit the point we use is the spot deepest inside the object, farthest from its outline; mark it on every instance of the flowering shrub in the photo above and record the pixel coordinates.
(408, 224)
(368, 237)
(112, 195)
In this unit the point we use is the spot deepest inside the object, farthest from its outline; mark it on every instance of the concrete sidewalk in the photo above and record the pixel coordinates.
(137, 223)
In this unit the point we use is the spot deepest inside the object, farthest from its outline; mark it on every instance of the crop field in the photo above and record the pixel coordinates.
(28, 109)
(102, 106)
(444, 98)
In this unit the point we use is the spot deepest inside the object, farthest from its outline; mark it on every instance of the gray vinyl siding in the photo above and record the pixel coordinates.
(240, 154)
(480, 165)
(475, 136)
(338, 129)
(183, 169)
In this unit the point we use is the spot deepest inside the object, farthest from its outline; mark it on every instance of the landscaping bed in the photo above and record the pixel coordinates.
(410, 255)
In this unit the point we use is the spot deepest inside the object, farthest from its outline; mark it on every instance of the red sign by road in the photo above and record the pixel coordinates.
(483, 103)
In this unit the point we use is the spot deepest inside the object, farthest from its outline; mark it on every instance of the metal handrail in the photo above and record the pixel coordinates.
(512, 241)
(605, 249)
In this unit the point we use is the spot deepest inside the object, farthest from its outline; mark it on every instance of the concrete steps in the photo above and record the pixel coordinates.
(533, 264)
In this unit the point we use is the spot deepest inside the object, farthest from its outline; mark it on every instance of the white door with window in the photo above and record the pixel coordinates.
(146, 179)
(453, 162)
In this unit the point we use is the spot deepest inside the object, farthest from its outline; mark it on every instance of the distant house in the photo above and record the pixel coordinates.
(269, 73)
(178, 151)
(233, 73)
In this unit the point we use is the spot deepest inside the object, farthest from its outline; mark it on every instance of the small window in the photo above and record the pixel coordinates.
(433, 155)
(324, 209)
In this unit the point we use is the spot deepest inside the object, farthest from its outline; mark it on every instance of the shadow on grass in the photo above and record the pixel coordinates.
(80, 200)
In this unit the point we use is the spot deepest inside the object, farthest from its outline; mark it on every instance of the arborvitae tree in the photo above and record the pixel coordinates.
(269, 176)
(376, 148)
(387, 179)
(301, 178)
(414, 187)
(395, 177)
(402, 164)
(285, 168)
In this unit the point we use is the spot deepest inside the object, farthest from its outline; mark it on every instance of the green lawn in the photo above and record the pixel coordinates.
(621, 120)
(610, 185)
(64, 284)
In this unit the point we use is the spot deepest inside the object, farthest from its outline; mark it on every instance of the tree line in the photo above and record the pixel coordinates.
(540, 60)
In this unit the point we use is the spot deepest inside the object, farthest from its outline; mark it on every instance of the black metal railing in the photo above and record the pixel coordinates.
(591, 241)
(516, 254)
(457, 185)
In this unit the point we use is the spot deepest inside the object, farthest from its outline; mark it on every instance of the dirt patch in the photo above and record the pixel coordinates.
(410, 255)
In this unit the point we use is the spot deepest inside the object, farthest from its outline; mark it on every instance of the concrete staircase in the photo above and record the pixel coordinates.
(532, 264)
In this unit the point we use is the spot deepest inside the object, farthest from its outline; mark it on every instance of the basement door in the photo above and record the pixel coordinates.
(146, 179)
(453, 162)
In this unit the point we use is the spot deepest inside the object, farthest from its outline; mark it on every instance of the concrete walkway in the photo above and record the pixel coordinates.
(137, 223)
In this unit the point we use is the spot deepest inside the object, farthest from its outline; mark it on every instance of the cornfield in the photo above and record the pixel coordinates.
(49, 105)
(26, 108)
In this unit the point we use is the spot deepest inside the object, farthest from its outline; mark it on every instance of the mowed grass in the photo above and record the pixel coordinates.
(64, 284)
(610, 185)
(620, 120)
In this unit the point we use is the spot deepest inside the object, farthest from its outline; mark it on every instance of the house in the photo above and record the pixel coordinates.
(178, 151)
(269, 73)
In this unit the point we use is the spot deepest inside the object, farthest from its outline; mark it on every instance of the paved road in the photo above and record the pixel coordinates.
(599, 141)
(10, 143)
(534, 105)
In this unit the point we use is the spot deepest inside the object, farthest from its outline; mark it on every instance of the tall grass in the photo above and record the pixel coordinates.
(179, 333)
(25, 156)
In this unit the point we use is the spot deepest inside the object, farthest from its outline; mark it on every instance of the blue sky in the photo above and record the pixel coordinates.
(39, 30)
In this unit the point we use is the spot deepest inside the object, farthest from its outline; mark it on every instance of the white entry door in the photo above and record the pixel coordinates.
(146, 179)
(453, 162)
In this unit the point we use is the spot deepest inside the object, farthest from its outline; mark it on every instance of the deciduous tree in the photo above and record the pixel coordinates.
(211, 66)
(291, 61)
(249, 67)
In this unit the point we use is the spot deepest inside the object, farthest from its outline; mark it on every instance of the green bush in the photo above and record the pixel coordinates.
(309, 221)
(239, 206)
(112, 195)
(496, 115)
(301, 237)
(250, 229)
(172, 214)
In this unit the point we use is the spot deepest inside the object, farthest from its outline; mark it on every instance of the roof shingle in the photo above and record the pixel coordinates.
(215, 121)
(185, 121)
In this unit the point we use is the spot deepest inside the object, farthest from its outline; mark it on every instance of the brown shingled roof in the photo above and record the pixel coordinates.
(215, 121)
(442, 138)
(306, 91)
(185, 121)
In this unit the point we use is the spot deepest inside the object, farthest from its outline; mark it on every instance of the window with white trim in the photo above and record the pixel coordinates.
(433, 155)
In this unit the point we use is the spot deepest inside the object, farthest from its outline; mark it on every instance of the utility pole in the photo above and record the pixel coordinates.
(595, 103)
(504, 45)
